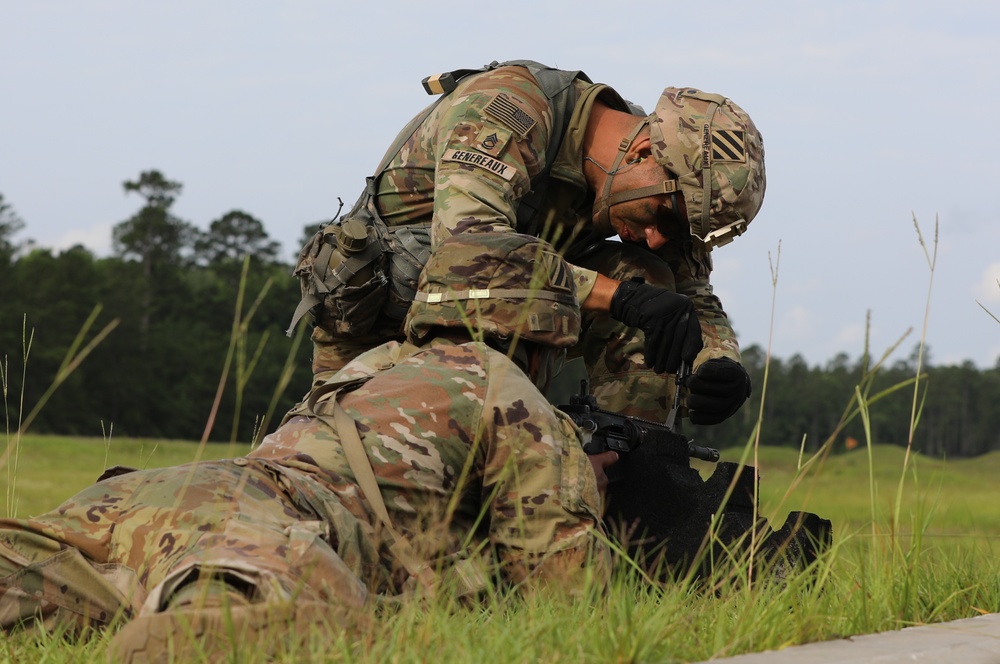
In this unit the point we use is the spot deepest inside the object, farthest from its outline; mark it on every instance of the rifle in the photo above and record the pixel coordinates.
(605, 430)
(659, 507)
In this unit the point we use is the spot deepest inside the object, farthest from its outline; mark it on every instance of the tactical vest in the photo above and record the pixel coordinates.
(347, 284)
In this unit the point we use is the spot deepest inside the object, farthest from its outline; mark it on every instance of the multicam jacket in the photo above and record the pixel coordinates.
(475, 157)
(465, 450)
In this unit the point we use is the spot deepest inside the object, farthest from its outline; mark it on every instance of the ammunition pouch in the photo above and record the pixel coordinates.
(347, 292)
(409, 249)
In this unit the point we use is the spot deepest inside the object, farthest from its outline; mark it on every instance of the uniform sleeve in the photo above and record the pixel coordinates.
(692, 267)
(584, 279)
(539, 487)
(491, 140)
(491, 137)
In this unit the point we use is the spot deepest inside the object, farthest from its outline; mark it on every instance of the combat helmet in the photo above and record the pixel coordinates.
(712, 148)
(504, 286)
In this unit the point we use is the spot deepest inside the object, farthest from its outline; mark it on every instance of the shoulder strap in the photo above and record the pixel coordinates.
(558, 86)
(364, 475)
(439, 84)
(469, 578)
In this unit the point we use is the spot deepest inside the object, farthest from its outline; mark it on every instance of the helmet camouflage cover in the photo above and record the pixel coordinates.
(716, 153)
(503, 285)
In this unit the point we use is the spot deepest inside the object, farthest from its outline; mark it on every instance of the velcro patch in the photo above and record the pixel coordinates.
(492, 139)
(729, 145)
(508, 112)
(481, 160)
(555, 268)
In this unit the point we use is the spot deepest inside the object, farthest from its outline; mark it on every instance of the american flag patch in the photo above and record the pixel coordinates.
(510, 114)
(729, 145)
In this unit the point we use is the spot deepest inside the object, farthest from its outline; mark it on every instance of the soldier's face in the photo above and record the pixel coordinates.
(653, 220)
(632, 221)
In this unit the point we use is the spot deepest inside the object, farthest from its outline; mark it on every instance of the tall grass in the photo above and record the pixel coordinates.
(921, 557)
(12, 434)
(236, 354)
(75, 355)
(237, 350)
(862, 585)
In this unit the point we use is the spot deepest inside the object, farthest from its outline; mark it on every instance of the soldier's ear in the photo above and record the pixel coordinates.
(641, 147)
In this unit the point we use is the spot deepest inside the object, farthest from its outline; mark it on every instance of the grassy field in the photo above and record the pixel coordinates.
(49, 469)
(938, 563)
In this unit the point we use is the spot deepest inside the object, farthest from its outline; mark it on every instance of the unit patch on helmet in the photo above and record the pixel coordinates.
(729, 145)
(510, 113)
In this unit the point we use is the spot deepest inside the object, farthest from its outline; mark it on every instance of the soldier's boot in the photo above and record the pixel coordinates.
(212, 623)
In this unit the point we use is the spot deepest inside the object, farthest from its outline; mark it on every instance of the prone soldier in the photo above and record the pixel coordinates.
(436, 462)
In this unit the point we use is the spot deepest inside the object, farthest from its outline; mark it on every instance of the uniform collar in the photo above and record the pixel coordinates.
(568, 164)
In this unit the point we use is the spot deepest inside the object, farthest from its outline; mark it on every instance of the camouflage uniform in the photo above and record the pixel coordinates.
(463, 444)
(467, 453)
(467, 167)
(129, 541)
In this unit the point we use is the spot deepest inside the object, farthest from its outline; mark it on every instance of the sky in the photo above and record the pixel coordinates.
(873, 113)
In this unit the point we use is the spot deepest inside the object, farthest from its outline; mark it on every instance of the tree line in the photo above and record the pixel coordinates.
(180, 334)
(167, 298)
(954, 409)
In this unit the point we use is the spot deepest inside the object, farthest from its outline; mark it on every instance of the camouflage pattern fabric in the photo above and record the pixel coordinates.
(467, 166)
(469, 457)
(465, 448)
(112, 548)
(613, 353)
(503, 285)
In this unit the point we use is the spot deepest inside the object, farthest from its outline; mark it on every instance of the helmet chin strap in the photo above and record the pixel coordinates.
(706, 176)
(606, 200)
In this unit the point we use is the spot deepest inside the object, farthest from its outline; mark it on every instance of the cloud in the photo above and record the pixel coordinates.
(850, 336)
(989, 284)
(796, 325)
(97, 238)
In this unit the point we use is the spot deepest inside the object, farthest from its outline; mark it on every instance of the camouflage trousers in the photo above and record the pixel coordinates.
(612, 352)
(125, 545)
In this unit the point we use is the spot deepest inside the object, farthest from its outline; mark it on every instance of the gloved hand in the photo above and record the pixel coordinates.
(667, 319)
(717, 390)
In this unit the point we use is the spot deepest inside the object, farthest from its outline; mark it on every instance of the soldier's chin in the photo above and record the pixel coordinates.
(626, 236)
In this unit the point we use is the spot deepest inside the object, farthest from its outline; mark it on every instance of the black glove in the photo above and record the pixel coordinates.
(667, 319)
(717, 390)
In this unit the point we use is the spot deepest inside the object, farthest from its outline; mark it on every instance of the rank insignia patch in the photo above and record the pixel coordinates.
(729, 145)
(509, 113)
(492, 139)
